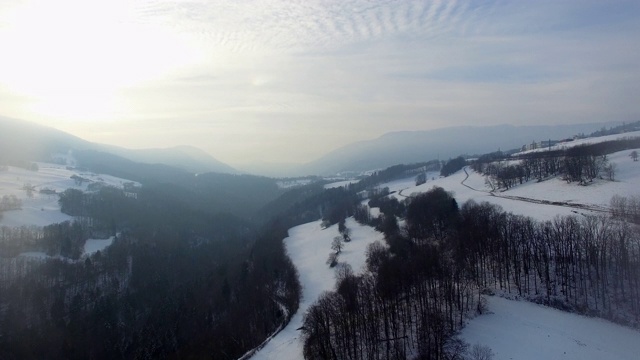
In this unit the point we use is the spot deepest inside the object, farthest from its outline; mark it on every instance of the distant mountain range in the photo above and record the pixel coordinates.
(417, 146)
(25, 141)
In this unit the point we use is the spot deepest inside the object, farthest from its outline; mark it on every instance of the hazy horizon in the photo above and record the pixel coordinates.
(252, 81)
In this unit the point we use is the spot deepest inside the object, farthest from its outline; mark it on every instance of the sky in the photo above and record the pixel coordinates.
(288, 81)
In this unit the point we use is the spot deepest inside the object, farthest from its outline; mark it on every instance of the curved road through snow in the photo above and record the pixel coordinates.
(590, 207)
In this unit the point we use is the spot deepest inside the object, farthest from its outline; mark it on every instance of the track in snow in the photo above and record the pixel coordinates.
(590, 207)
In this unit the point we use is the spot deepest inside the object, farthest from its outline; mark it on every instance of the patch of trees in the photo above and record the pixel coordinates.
(431, 216)
(14, 240)
(626, 208)
(581, 164)
(178, 282)
(65, 239)
(416, 292)
(337, 204)
(10, 202)
(300, 204)
(240, 195)
(338, 243)
(453, 165)
(406, 303)
(394, 172)
(632, 126)
(388, 205)
(362, 214)
(589, 265)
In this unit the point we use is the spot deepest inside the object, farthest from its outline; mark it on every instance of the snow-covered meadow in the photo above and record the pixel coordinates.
(467, 185)
(523, 330)
(513, 329)
(42, 209)
(309, 246)
(586, 141)
(39, 205)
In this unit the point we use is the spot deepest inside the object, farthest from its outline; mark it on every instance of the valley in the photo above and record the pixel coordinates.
(291, 228)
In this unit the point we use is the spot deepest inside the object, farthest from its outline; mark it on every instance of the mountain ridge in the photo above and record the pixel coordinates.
(22, 140)
(443, 143)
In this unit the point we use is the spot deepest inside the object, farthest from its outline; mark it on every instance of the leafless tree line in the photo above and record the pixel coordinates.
(419, 288)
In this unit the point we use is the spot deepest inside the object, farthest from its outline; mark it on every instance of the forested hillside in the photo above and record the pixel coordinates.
(420, 288)
(176, 283)
(440, 257)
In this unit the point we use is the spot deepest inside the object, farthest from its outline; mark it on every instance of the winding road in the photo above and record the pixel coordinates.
(590, 207)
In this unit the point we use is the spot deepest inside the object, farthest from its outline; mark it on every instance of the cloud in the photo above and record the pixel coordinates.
(314, 75)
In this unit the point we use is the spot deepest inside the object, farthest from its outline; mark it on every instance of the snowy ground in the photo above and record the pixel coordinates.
(92, 246)
(472, 186)
(594, 140)
(309, 247)
(289, 184)
(523, 330)
(516, 329)
(338, 184)
(41, 209)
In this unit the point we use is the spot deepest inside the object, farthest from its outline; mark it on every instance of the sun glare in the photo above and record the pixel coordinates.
(72, 58)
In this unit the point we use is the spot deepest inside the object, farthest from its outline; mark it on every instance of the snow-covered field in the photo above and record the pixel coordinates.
(338, 184)
(515, 329)
(289, 184)
(92, 246)
(42, 209)
(309, 247)
(585, 141)
(473, 187)
(523, 330)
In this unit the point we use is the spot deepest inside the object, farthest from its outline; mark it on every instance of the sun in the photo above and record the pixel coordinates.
(73, 58)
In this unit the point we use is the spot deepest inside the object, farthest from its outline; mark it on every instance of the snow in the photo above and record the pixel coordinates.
(515, 329)
(43, 209)
(585, 141)
(595, 196)
(478, 191)
(289, 184)
(92, 246)
(35, 255)
(337, 184)
(597, 193)
(524, 330)
(309, 247)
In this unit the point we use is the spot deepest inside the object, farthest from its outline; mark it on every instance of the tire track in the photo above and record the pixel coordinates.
(590, 207)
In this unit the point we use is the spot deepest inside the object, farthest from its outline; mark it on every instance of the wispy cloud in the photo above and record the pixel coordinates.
(315, 75)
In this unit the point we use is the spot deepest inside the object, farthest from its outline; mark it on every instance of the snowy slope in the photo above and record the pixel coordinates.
(517, 329)
(466, 185)
(309, 246)
(585, 141)
(523, 330)
(597, 193)
(41, 209)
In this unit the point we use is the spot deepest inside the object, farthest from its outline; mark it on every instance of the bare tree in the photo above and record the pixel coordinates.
(337, 244)
(481, 352)
(610, 171)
